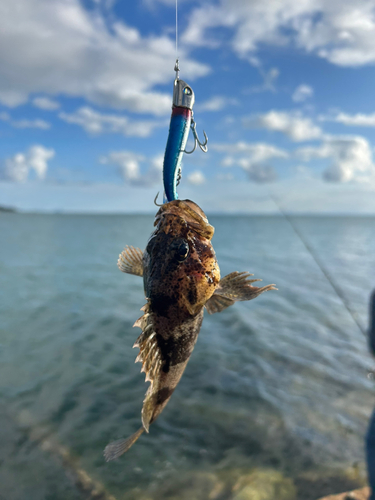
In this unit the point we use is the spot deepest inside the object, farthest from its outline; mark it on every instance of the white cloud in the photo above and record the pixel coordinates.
(58, 47)
(341, 31)
(38, 157)
(139, 170)
(216, 103)
(130, 166)
(97, 123)
(302, 93)
(127, 162)
(196, 178)
(351, 158)
(31, 124)
(152, 3)
(45, 103)
(292, 124)
(261, 174)
(357, 120)
(256, 152)
(5, 117)
(269, 78)
(18, 167)
(251, 157)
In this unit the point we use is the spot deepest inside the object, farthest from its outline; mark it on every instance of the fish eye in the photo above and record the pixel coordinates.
(187, 91)
(182, 251)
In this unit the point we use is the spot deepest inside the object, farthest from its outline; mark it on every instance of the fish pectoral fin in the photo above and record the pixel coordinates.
(237, 286)
(218, 303)
(130, 261)
(117, 448)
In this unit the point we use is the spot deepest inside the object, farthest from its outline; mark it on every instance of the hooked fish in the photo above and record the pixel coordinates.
(181, 277)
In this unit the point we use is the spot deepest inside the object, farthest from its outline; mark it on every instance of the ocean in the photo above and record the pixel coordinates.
(277, 390)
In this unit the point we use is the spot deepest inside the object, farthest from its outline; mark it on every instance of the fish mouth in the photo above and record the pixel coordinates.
(191, 213)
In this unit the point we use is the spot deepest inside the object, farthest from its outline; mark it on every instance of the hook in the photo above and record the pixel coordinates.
(202, 145)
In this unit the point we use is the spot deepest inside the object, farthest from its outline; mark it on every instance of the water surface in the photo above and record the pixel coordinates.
(278, 383)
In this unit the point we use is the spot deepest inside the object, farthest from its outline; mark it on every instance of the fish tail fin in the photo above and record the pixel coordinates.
(117, 448)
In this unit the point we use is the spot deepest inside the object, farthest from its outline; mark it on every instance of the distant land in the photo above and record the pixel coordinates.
(7, 209)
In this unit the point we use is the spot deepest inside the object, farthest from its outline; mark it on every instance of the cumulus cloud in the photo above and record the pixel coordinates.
(134, 168)
(341, 31)
(59, 47)
(351, 158)
(18, 167)
(216, 103)
(97, 123)
(269, 78)
(293, 124)
(45, 103)
(31, 124)
(261, 174)
(251, 157)
(255, 152)
(302, 93)
(24, 123)
(196, 178)
(357, 120)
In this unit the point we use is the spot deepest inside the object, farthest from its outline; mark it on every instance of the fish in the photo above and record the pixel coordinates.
(182, 119)
(181, 278)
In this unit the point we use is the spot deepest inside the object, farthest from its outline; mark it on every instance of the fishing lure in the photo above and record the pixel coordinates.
(182, 120)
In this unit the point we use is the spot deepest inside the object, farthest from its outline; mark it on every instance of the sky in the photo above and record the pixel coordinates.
(284, 90)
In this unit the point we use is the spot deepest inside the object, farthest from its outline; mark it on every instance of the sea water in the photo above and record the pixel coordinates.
(279, 383)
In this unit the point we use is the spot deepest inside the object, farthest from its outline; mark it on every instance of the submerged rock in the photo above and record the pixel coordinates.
(264, 484)
(361, 494)
(229, 484)
(193, 485)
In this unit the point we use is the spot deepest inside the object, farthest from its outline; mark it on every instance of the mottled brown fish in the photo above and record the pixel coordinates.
(181, 277)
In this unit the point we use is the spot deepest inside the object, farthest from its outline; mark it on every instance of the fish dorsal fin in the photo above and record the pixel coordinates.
(151, 359)
(130, 261)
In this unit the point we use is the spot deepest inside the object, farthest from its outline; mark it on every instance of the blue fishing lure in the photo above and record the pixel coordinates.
(181, 121)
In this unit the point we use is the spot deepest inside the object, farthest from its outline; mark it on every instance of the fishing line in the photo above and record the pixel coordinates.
(321, 266)
(176, 33)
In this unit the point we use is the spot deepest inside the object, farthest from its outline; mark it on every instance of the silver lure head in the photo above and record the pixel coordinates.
(183, 95)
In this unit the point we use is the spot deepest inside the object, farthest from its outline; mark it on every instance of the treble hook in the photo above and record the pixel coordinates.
(202, 145)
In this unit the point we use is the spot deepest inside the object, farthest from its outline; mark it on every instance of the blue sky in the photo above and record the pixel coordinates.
(284, 90)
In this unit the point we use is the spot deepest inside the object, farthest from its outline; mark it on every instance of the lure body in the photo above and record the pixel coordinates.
(181, 121)
(177, 138)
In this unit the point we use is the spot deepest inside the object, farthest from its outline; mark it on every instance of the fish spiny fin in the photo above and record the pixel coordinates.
(131, 261)
(235, 287)
(150, 357)
(117, 448)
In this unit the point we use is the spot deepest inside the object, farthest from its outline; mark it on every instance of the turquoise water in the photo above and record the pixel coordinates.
(278, 383)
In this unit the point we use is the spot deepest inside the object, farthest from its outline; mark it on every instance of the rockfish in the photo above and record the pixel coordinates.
(181, 277)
